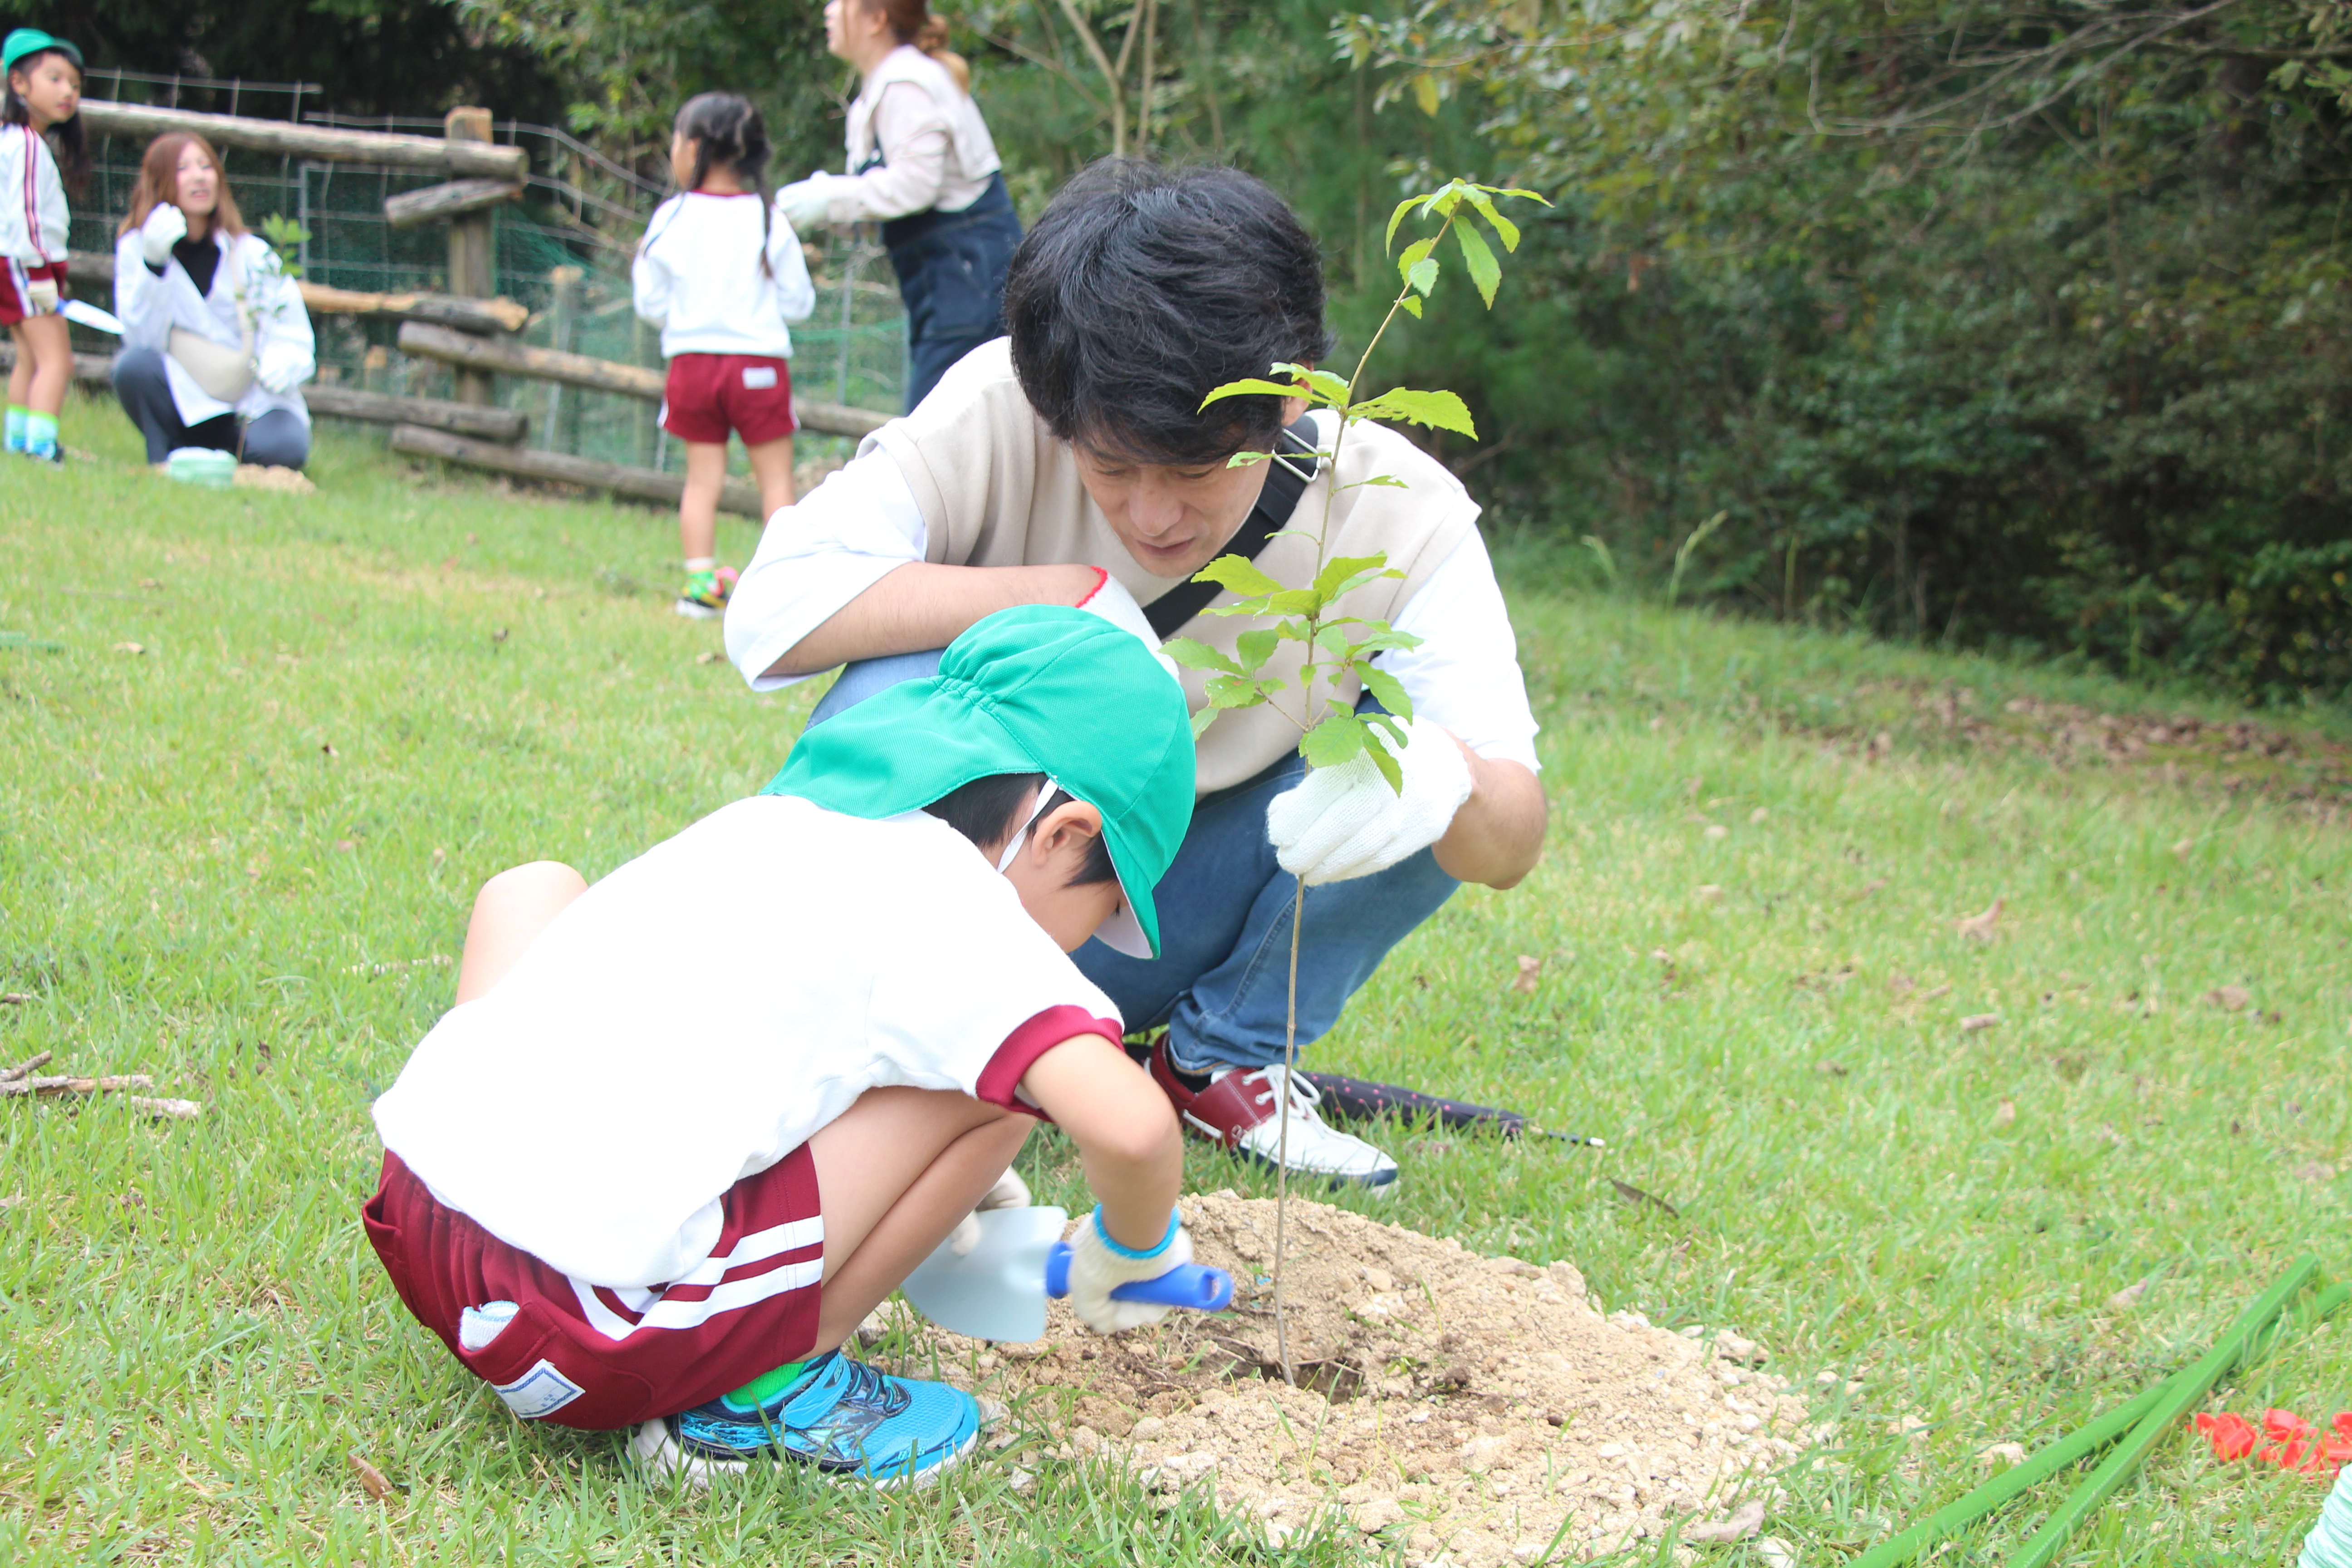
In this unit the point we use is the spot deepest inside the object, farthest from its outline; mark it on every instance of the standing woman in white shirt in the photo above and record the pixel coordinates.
(921, 159)
(720, 273)
(216, 342)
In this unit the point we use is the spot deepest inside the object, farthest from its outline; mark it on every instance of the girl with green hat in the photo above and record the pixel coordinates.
(41, 155)
(622, 1201)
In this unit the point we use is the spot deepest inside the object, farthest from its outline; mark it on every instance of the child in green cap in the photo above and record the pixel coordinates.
(41, 154)
(625, 1203)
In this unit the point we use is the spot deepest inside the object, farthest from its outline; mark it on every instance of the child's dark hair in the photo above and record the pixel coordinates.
(989, 810)
(726, 129)
(65, 138)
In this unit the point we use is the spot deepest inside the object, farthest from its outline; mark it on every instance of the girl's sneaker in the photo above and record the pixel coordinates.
(841, 1416)
(704, 597)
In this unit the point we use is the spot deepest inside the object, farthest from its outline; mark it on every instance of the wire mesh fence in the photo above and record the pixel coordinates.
(563, 253)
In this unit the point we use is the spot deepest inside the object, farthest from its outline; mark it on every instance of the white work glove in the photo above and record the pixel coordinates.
(1096, 1270)
(282, 367)
(1344, 821)
(803, 203)
(41, 296)
(165, 226)
(1010, 1193)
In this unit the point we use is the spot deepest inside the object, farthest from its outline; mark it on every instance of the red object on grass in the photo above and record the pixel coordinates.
(2294, 1444)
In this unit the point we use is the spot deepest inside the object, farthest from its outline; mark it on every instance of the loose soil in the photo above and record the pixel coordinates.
(1470, 1406)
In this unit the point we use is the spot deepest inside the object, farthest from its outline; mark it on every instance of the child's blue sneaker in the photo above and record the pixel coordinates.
(844, 1418)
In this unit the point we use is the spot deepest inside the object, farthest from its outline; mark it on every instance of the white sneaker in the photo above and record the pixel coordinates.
(1242, 1109)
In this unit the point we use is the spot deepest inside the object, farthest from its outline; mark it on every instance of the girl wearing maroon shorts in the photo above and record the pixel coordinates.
(40, 155)
(720, 272)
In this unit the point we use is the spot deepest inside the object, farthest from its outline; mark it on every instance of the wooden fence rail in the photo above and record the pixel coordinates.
(376, 148)
(602, 376)
(740, 496)
(484, 316)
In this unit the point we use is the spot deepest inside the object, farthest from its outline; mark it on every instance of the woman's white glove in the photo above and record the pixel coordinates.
(803, 203)
(1096, 1270)
(283, 366)
(1345, 821)
(1010, 1193)
(166, 225)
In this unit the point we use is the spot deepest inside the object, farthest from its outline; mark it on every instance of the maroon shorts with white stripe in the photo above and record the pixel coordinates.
(16, 284)
(596, 1358)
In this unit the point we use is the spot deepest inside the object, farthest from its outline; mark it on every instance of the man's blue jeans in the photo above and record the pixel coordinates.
(1221, 982)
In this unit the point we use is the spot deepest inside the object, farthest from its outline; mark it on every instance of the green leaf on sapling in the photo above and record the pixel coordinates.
(1255, 386)
(1239, 574)
(1381, 759)
(1327, 387)
(1234, 692)
(1294, 602)
(1255, 646)
(1484, 271)
(1411, 303)
(1387, 690)
(1339, 568)
(1383, 722)
(1202, 718)
(1196, 655)
(1248, 459)
(1333, 742)
(1396, 218)
(1386, 481)
(1441, 409)
(1504, 229)
(1424, 275)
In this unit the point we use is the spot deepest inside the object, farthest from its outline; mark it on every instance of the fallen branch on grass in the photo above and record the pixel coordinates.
(175, 1110)
(10, 1075)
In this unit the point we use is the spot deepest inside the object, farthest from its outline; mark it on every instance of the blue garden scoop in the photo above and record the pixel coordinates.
(998, 1289)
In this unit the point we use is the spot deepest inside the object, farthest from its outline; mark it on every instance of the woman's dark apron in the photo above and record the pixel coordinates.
(951, 270)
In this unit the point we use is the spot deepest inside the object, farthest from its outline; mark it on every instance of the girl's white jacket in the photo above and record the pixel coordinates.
(151, 306)
(698, 276)
(33, 216)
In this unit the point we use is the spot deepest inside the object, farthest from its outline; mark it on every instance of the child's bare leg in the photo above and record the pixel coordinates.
(771, 466)
(48, 343)
(513, 907)
(896, 1172)
(20, 378)
(697, 508)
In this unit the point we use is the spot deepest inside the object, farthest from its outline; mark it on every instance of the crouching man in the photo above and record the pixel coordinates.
(1073, 463)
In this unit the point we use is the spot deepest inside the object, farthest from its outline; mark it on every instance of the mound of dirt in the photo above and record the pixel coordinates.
(1477, 1407)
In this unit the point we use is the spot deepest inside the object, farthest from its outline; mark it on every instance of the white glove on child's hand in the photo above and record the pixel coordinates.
(1096, 1270)
(1344, 821)
(803, 203)
(1010, 1193)
(165, 226)
(41, 296)
(282, 367)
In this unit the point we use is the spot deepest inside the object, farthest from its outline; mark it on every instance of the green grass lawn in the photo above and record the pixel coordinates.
(260, 750)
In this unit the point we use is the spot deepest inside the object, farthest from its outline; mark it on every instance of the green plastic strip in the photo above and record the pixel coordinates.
(2181, 1395)
(1955, 1517)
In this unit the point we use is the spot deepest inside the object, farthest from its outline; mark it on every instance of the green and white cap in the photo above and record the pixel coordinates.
(32, 41)
(1041, 689)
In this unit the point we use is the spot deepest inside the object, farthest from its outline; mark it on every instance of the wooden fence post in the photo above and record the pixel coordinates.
(471, 272)
(564, 282)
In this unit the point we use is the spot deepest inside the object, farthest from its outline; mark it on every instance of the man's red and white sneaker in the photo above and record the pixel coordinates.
(1241, 1108)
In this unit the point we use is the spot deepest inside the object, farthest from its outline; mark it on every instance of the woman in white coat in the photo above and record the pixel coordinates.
(921, 159)
(216, 342)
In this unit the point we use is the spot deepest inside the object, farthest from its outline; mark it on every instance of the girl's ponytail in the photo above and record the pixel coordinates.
(726, 129)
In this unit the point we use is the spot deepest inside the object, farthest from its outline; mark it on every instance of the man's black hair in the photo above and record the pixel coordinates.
(990, 810)
(1143, 288)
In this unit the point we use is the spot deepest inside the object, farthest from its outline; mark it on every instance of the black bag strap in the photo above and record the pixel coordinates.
(1286, 477)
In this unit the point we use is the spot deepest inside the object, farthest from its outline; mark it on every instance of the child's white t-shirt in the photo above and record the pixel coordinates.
(701, 1011)
(699, 276)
